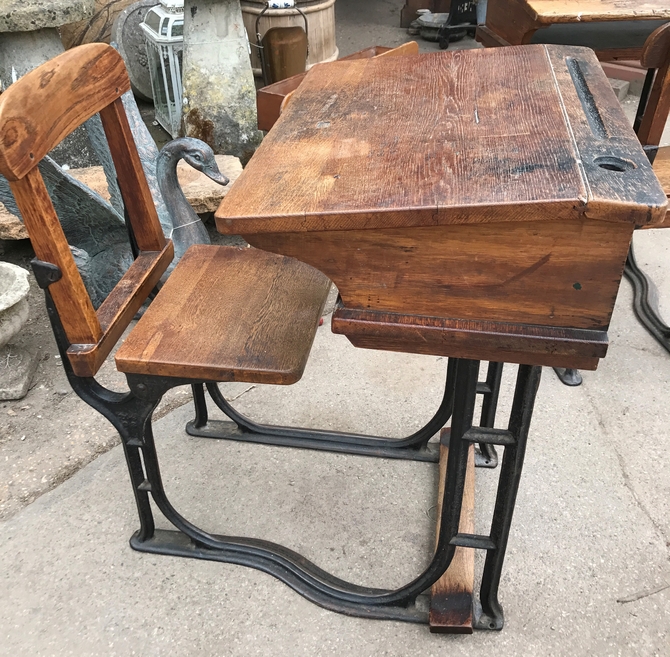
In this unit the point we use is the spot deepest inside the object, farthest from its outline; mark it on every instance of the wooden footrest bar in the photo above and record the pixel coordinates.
(451, 596)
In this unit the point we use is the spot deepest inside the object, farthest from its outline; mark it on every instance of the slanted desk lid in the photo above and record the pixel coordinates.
(531, 133)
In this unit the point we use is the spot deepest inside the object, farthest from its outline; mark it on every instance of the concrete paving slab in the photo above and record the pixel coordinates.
(583, 536)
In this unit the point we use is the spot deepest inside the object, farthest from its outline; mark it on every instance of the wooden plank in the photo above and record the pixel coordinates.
(229, 314)
(351, 157)
(48, 240)
(511, 21)
(270, 99)
(451, 596)
(52, 100)
(119, 309)
(572, 11)
(495, 341)
(544, 273)
(656, 48)
(617, 171)
(132, 183)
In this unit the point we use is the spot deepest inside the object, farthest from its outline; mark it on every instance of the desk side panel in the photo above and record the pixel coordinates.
(541, 273)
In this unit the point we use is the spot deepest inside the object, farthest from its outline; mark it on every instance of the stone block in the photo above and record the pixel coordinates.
(17, 368)
(620, 88)
(29, 15)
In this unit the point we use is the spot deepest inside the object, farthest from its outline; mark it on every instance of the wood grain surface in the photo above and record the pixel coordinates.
(451, 596)
(36, 112)
(569, 11)
(443, 138)
(120, 308)
(48, 240)
(53, 99)
(476, 339)
(270, 99)
(229, 314)
(656, 48)
(550, 274)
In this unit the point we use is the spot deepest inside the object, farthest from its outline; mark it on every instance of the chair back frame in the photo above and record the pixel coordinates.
(36, 113)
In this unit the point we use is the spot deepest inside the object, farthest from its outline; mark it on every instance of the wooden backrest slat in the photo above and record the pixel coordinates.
(36, 113)
(46, 234)
(656, 54)
(132, 182)
(656, 48)
(48, 103)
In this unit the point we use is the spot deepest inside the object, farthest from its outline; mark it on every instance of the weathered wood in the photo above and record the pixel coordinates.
(119, 309)
(53, 99)
(342, 168)
(656, 48)
(132, 182)
(451, 596)
(658, 105)
(35, 113)
(662, 170)
(531, 273)
(271, 99)
(228, 314)
(46, 235)
(407, 49)
(496, 341)
(516, 22)
(459, 212)
(570, 11)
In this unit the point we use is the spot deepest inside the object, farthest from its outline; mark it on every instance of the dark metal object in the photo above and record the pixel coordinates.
(415, 447)
(130, 413)
(644, 290)
(265, 63)
(485, 456)
(644, 301)
(568, 376)
(462, 20)
(527, 383)
(644, 98)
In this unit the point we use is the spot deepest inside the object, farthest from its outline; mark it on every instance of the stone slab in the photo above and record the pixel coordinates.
(17, 367)
(28, 15)
(201, 192)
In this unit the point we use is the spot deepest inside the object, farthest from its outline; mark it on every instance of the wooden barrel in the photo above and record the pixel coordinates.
(320, 23)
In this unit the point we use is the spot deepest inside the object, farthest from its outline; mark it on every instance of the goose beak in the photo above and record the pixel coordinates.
(216, 176)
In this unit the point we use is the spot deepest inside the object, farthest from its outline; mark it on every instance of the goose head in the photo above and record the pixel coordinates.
(194, 152)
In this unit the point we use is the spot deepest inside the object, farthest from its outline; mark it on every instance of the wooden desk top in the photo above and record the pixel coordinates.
(571, 11)
(528, 133)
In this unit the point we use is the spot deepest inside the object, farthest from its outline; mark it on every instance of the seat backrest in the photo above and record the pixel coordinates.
(36, 113)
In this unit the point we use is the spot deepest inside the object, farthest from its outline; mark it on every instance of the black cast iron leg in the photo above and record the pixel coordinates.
(528, 380)
(200, 403)
(129, 415)
(486, 455)
(568, 376)
(644, 301)
(305, 577)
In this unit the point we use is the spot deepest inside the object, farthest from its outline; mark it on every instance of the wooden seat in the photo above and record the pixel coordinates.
(225, 314)
(229, 314)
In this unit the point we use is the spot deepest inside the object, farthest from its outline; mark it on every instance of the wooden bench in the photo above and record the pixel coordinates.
(615, 29)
